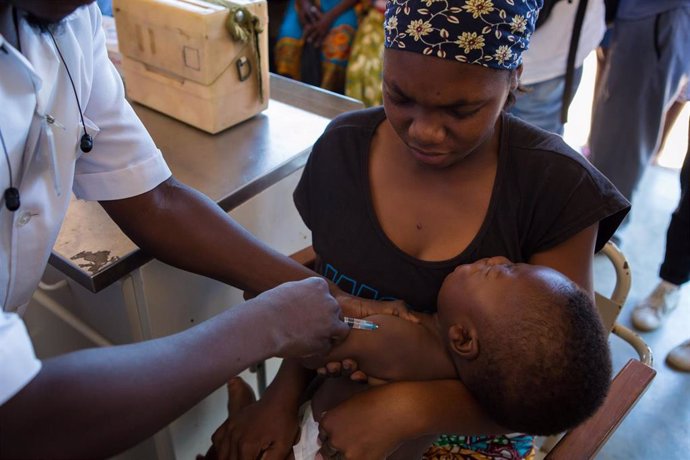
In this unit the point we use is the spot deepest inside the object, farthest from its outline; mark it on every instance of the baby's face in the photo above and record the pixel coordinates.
(491, 287)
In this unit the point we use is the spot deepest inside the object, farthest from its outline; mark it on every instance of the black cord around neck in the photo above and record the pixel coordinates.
(86, 142)
(11, 194)
(16, 28)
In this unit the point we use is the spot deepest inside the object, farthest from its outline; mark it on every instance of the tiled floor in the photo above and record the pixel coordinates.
(659, 426)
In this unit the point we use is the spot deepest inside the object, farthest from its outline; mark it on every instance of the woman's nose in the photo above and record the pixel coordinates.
(426, 129)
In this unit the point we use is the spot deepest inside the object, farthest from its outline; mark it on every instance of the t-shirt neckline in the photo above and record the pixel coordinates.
(464, 254)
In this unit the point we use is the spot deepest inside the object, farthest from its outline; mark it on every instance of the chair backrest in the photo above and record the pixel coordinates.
(629, 384)
(609, 307)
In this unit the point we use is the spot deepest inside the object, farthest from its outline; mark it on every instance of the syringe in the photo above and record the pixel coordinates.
(356, 323)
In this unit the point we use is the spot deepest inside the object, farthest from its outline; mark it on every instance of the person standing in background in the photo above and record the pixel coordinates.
(647, 66)
(327, 27)
(541, 99)
(650, 313)
(365, 67)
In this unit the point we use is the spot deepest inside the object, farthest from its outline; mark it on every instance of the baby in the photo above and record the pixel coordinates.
(525, 340)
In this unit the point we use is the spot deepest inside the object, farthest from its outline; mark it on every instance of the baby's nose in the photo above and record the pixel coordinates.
(498, 260)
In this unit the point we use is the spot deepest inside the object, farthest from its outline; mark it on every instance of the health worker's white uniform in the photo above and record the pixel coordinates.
(47, 163)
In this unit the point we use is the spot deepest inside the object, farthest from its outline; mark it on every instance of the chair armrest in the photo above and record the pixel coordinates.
(585, 440)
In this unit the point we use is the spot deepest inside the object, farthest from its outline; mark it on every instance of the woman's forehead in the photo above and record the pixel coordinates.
(416, 73)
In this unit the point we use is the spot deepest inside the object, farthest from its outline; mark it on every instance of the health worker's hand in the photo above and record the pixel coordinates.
(263, 430)
(301, 318)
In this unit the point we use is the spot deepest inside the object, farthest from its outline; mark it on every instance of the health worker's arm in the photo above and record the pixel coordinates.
(184, 228)
(98, 402)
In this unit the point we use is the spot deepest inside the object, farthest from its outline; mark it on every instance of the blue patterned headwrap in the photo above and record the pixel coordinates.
(491, 33)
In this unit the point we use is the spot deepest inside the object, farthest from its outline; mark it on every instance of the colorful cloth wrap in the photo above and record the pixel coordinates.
(503, 447)
(491, 33)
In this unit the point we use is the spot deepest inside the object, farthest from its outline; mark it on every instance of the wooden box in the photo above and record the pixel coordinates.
(179, 58)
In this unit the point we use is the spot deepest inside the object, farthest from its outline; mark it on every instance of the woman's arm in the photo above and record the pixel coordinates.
(574, 258)
(374, 423)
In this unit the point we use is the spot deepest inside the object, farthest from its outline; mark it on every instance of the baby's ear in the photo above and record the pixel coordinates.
(464, 341)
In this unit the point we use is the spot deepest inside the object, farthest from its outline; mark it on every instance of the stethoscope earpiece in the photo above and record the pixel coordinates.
(86, 143)
(12, 198)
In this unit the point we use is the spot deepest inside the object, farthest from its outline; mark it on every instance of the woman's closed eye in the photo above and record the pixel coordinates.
(463, 111)
(398, 99)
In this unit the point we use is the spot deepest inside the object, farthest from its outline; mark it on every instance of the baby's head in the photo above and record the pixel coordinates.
(527, 342)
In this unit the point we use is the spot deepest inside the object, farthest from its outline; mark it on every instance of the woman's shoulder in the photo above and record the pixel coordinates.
(535, 149)
(554, 181)
(348, 135)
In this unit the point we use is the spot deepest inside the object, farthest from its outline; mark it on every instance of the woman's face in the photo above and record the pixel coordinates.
(442, 110)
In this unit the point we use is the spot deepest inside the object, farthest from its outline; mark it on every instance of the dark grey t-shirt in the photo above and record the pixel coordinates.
(544, 193)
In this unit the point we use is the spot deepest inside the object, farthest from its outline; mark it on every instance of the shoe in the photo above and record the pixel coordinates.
(679, 357)
(650, 312)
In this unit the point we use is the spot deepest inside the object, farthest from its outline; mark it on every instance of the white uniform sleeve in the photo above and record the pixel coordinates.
(124, 161)
(17, 359)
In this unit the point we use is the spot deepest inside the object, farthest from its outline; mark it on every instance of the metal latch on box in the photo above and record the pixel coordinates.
(244, 26)
(244, 68)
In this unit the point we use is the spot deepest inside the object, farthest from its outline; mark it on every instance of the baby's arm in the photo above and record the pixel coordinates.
(397, 350)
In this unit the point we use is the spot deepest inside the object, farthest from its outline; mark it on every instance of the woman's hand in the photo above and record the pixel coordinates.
(308, 13)
(317, 30)
(265, 429)
(369, 425)
(358, 307)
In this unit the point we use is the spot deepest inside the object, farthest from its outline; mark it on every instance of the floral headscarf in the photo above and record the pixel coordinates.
(491, 33)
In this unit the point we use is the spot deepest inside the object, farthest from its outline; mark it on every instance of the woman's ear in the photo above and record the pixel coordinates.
(464, 341)
(515, 78)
